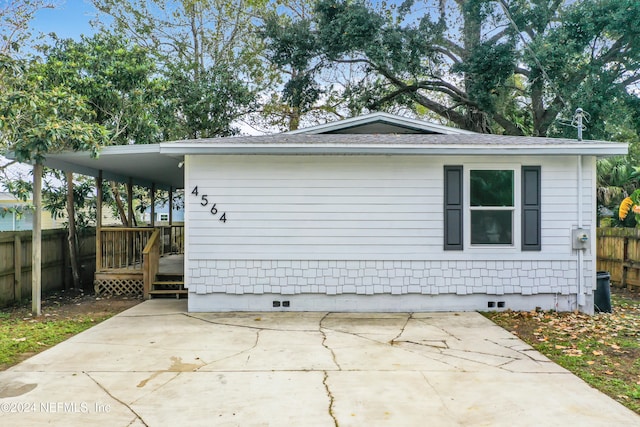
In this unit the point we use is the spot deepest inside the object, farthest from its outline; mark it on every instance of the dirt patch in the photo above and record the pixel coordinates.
(71, 304)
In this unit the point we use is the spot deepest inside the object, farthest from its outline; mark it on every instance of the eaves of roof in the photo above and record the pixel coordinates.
(389, 144)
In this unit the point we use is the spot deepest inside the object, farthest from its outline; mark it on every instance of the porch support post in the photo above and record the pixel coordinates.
(36, 255)
(153, 205)
(170, 206)
(130, 201)
(99, 221)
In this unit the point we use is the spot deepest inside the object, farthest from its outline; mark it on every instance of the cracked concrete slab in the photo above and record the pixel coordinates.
(281, 351)
(400, 398)
(61, 398)
(157, 365)
(268, 398)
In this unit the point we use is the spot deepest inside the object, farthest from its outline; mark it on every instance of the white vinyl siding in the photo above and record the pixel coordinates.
(327, 207)
(560, 202)
(358, 207)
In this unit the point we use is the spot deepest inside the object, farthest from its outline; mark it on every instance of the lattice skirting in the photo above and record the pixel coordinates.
(118, 286)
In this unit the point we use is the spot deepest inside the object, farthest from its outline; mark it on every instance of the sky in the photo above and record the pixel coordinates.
(69, 20)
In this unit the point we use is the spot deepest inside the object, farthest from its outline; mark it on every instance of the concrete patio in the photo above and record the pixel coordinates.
(156, 365)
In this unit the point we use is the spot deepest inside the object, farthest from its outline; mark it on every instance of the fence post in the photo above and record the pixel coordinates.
(17, 268)
(66, 261)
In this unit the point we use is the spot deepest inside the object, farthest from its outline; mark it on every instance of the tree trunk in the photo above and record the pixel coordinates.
(119, 204)
(71, 237)
(476, 120)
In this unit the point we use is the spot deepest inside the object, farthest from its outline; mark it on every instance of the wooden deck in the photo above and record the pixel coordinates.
(169, 264)
(130, 280)
(172, 265)
(147, 261)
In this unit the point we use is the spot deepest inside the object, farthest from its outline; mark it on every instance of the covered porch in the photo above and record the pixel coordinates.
(146, 261)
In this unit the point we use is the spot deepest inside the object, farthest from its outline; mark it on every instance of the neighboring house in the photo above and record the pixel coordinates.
(161, 211)
(16, 215)
(378, 213)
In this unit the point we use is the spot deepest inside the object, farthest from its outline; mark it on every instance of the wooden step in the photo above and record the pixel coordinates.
(169, 291)
(168, 282)
(177, 284)
(176, 292)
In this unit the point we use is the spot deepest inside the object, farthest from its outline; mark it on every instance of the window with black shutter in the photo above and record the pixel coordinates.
(493, 206)
(531, 221)
(453, 208)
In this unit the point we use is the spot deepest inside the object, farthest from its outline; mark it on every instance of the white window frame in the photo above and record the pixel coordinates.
(517, 215)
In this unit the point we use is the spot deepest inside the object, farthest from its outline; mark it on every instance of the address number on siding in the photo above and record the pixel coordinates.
(204, 202)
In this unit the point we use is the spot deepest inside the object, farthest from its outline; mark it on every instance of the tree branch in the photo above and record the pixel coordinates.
(507, 125)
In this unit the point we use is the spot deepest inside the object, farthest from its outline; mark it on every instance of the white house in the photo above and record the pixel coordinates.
(383, 213)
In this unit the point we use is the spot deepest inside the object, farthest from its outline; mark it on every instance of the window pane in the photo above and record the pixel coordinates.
(491, 227)
(491, 188)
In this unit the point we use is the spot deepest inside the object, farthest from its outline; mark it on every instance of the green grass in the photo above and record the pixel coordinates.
(20, 338)
(603, 350)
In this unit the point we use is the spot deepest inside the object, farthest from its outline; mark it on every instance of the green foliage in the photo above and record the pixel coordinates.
(616, 179)
(54, 198)
(290, 42)
(292, 46)
(37, 117)
(15, 17)
(487, 69)
(513, 66)
(346, 27)
(206, 52)
(204, 107)
(118, 81)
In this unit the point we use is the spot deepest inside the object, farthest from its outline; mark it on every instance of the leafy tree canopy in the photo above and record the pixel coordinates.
(117, 79)
(207, 52)
(37, 117)
(503, 66)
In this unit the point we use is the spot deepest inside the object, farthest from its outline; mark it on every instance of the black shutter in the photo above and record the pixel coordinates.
(453, 237)
(531, 223)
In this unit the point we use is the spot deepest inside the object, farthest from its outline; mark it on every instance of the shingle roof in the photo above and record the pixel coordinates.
(392, 139)
(161, 163)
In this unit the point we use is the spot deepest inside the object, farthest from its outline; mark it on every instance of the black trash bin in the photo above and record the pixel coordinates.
(602, 297)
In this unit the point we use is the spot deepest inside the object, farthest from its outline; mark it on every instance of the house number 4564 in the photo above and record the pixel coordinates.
(204, 201)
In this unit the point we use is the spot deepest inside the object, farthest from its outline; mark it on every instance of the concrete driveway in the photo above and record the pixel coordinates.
(156, 365)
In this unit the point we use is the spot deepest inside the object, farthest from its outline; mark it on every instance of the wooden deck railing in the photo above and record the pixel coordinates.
(121, 247)
(151, 261)
(172, 239)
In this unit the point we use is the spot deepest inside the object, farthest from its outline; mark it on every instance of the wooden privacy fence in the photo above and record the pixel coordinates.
(15, 263)
(619, 253)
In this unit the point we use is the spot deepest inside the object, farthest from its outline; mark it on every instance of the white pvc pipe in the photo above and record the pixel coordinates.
(580, 296)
